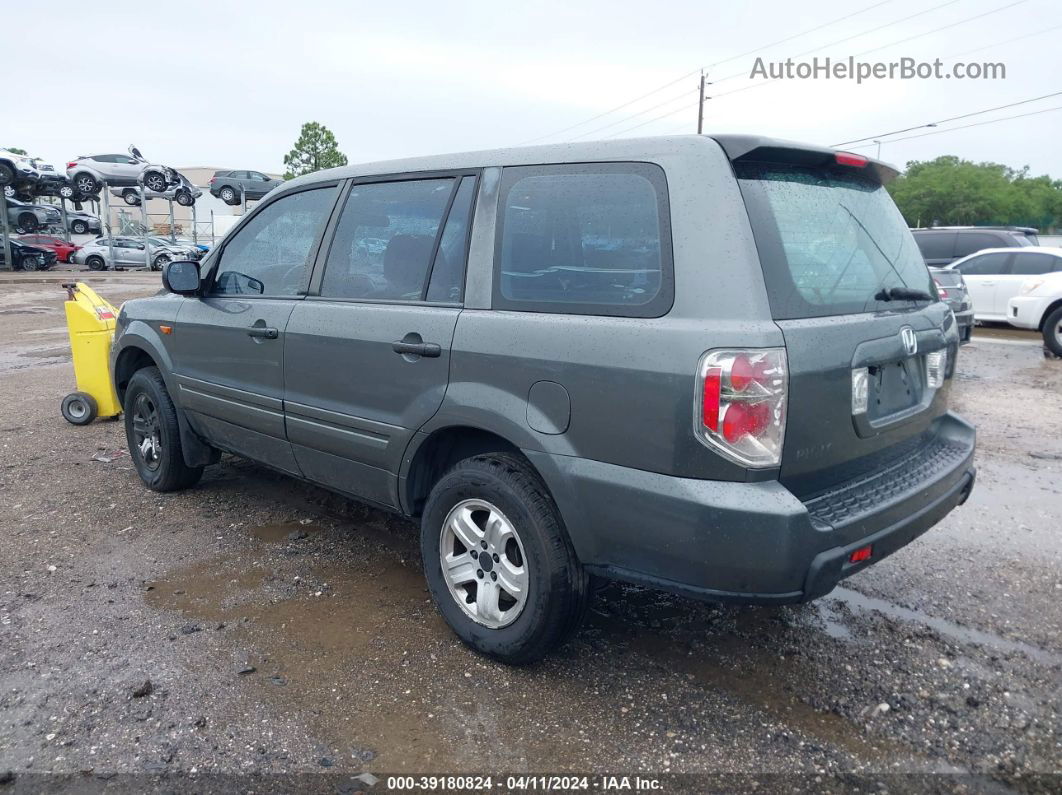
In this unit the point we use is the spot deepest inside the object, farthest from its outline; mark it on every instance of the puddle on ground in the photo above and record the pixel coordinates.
(315, 641)
(284, 531)
(732, 663)
(965, 635)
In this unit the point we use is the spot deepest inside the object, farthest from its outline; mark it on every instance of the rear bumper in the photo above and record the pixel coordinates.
(1026, 311)
(964, 322)
(754, 542)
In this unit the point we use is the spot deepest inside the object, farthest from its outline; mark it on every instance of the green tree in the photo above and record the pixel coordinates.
(315, 149)
(949, 190)
(16, 150)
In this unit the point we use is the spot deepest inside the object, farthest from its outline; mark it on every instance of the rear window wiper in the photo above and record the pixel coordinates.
(903, 294)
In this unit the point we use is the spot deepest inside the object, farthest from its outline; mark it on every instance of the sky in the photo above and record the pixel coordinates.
(228, 84)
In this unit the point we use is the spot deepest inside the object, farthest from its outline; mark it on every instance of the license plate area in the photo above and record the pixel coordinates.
(894, 388)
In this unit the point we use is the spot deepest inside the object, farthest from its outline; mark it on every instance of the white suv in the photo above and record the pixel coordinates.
(89, 173)
(1038, 305)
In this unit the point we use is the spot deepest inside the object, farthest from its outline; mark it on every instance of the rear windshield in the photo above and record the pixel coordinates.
(831, 242)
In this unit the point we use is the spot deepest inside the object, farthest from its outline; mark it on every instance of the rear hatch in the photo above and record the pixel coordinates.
(859, 313)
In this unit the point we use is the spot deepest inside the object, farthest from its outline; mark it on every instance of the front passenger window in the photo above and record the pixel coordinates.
(270, 254)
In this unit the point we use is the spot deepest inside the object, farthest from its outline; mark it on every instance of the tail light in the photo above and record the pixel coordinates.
(941, 291)
(849, 159)
(936, 364)
(740, 404)
(213, 180)
(71, 164)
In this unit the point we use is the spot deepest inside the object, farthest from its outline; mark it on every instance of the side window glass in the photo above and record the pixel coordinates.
(448, 271)
(970, 242)
(985, 265)
(271, 253)
(1034, 264)
(935, 245)
(585, 239)
(385, 239)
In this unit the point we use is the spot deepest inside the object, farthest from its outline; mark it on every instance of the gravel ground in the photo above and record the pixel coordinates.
(259, 625)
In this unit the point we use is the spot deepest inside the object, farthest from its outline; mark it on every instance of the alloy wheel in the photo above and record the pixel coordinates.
(483, 563)
(147, 431)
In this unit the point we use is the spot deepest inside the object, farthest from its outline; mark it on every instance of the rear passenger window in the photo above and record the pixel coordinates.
(1034, 264)
(385, 240)
(589, 239)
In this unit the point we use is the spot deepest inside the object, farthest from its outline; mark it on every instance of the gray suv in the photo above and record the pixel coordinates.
(712, 365)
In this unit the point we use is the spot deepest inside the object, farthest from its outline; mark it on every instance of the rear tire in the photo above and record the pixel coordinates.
(131, 198)
(155, 181)
(184, 198)
(502, 486)
(26, 222)
(79, 408)
(153, 434)
(79, 227)
(7, 174)
(1052, 332)
(228, 195)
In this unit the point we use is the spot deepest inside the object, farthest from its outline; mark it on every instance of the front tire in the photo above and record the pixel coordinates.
(96, 263)
(184, 198)
(1052, 332)
(7, 174)
(498, 560)
(29, 263)
(26, 224)
(160, 262)
(131, 198)
(153, 434)
(86, 184)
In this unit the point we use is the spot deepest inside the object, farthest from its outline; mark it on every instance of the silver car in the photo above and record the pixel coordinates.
(184, 193)
(89, 173)
(26, 218)
(129, 253)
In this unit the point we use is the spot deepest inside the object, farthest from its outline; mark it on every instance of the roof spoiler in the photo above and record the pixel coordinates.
(757, 149)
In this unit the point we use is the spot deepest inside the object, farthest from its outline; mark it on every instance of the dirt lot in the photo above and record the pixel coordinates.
(256, 624)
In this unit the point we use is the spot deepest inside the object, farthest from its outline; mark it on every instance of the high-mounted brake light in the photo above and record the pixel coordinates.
(741, 403)
(848, 159)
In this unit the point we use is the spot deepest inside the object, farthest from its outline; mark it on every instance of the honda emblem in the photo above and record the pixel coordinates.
(910, 341)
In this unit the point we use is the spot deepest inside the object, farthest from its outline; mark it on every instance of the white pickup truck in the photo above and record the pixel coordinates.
(1038, 305)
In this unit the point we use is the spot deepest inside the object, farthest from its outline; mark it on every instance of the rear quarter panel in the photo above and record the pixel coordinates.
(630, 380)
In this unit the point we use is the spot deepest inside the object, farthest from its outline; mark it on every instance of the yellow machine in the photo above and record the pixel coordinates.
(90, 321)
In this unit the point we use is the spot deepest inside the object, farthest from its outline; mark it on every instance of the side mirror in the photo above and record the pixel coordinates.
(181, 276)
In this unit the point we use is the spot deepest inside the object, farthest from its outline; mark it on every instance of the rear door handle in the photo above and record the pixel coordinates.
(263, 331)
(429, 349)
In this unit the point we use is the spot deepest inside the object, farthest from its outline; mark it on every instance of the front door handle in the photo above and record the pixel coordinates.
(263, 331)
(430, 349)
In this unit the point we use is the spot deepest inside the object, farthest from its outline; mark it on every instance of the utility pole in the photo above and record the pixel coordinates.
(700, 107)
(879, 148)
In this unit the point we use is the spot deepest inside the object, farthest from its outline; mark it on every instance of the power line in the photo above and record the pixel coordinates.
(966, 126)
(683, 95)
(945, 121)
(696, 71)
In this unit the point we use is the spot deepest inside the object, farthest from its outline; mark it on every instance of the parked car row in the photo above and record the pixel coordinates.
(129, 252)
(25, 218)
(25, 257)
(997, 274)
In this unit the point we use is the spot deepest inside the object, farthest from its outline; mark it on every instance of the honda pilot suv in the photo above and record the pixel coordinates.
(712, 365)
